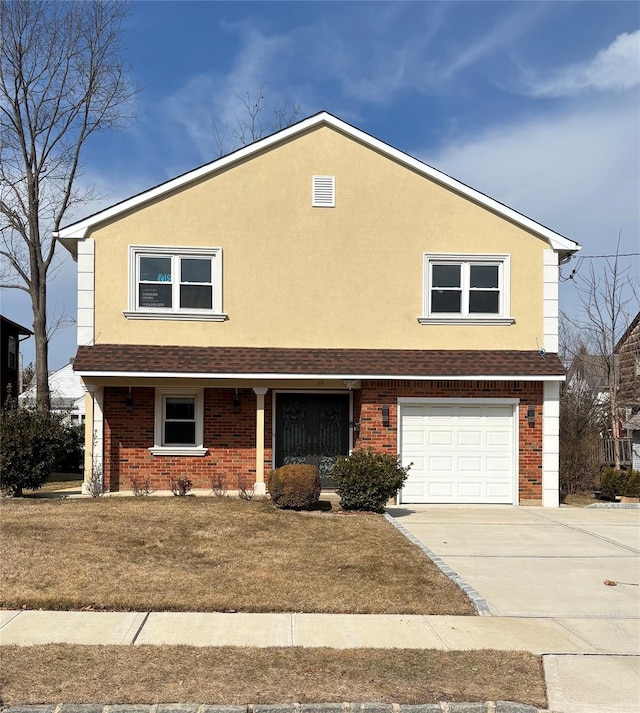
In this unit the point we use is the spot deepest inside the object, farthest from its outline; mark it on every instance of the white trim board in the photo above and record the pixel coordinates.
(305, 377)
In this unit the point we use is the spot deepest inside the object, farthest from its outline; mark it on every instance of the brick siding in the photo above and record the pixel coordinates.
(230, 436)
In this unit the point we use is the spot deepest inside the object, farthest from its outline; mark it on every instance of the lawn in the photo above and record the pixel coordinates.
(212, 554)
(146, 674)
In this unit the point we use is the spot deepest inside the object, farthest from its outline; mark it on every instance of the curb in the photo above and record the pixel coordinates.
(478, 601)
(442, 707)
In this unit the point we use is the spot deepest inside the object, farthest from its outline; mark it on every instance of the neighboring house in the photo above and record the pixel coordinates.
(10, 358)
(67, 394)
(312, 293)
(628, 351)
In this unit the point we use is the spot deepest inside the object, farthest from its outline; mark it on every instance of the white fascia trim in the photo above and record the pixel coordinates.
(304, 377)
(81, 228)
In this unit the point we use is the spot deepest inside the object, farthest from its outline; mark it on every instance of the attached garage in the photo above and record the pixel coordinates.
(462, 451)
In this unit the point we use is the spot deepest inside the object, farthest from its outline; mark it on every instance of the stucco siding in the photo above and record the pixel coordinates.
(297, 276)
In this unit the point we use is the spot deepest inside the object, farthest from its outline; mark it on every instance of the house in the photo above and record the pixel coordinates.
(312, 293)
(10, 359)
(67, 394)
(628, 352)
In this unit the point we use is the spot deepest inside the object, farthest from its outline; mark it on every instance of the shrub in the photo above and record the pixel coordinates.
(295, 486)
(32, 443)
(632, 486)
(366, 480)
(71, 458)
(180, 485)
(612, 483)
(141, 486)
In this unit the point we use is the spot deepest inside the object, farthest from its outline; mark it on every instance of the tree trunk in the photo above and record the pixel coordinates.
(39, 300)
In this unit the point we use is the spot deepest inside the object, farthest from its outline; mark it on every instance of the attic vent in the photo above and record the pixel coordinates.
(323, 192)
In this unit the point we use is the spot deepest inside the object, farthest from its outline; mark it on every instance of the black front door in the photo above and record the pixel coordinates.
(312, 428)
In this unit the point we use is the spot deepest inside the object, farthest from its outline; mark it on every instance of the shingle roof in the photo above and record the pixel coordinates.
(355, 363)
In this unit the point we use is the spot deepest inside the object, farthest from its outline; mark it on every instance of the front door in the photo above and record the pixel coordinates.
(312, 428)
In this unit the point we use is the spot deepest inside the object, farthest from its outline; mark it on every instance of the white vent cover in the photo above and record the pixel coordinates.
(323, 191)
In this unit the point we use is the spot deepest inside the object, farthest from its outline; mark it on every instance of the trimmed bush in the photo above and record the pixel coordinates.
(612, 483)
(366, 480)
(295, 486)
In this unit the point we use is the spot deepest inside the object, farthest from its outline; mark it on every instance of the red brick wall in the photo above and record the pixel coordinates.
(368, 401)
(230, 436)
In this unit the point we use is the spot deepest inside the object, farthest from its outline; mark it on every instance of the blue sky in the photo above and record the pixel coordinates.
(536, 104)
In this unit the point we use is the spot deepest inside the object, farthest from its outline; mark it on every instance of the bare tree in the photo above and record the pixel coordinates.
(254, 122)
(608, 296)
(62, 80)
(583, 414)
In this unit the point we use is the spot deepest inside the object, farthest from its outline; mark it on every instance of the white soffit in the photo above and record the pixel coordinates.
(80, 229)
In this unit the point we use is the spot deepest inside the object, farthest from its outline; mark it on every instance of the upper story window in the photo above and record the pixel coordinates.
(471, 289)
(12, 356)
(172, 283)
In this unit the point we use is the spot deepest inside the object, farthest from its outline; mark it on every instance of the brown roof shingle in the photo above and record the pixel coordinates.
(356, 363)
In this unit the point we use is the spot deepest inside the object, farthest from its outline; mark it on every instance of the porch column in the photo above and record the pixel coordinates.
(93, 437)
(259, 487)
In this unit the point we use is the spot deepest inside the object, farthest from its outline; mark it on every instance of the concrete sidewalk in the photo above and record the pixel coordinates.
(447, 633)
(591, 665)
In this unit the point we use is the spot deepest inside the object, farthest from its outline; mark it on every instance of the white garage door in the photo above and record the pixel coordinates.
(461, 453)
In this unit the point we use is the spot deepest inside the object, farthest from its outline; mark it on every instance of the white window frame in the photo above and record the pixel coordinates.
(215, 314)
(159, 449)
(503, 317)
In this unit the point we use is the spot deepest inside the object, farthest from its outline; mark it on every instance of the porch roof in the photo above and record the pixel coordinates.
(255, 362)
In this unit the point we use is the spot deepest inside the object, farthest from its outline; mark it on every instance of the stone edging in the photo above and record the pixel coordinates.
(615, 506)
(478, 601)
(442, 707)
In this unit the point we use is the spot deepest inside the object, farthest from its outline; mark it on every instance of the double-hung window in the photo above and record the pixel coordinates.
(466, 289)
(167, 283)
(179, 423)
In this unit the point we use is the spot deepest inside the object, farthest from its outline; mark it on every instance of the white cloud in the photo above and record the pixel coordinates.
(613, 69)
(576, 171)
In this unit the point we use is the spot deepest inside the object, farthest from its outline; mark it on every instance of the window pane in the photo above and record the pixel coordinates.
(195, 270)
(180, 407)
(154, 295)
(484, 275)
(179, 433)
(481, 302)
(195, 297)
(446, 276)
(445, 301)
(155, 269)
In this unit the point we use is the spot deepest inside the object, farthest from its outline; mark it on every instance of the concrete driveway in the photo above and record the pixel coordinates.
(529, 561)
(552, 564)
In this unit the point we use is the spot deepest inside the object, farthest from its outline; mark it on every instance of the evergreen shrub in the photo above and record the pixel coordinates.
(32, 443)
(366, 480)
(612, 482)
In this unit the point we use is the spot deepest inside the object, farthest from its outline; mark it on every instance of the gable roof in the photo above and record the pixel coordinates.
(18, 327)
(80, 229)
